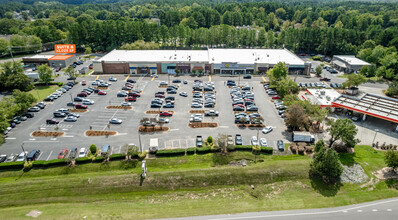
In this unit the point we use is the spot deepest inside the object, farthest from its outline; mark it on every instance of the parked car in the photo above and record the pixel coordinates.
(74, 115)
(3, 158)
(263, 142)
(230, 140)
(176, 81)
(63, 154)
(211, 113)
(199, 141)
(247, 77)
(73, 153)
(112, 79)
(184, 94)
(11, 158)
(163, 120)
(29, 114)
(125, 104)
(70, 104)
(168, 105)
(59, 114)
(130, 99)
(33, 155)
(254, 140)
(267, 129)
(324, 79)
(156, 105)
(166, 113)
(84, 82)
(82, 94)
(33, 109)
(52, 121)
(70, 119)
(115, 121)
(101, 93)
(22, 156)
(82, 152)
(131, 81)
(105, 149)
(280, 145)
(79, 106)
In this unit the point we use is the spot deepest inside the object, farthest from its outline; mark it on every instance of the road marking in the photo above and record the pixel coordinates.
(41, 153)
(42, 141)
(32, 139)
(374, 210)
(10, 138)
(152, 78)
(223, 126)
(65, 129)
(97, 77)
(263, 78)
(389, 210)
(126, 78)
(345, 211)
(49, 155)
(326, 83)
(53, 139)
(305, 213)
(209, 78)
(68, 136)
(174, 129)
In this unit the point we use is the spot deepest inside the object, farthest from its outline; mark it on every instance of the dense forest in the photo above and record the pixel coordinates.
(366, 29)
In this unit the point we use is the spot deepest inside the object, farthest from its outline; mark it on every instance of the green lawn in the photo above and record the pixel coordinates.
(182, 186)
(42, 92)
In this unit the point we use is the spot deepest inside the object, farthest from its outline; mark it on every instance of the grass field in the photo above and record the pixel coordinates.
(42, 92)
(182, 186)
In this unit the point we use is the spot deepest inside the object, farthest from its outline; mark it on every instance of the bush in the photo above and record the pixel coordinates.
(243, 147)
(117, 157)
(316, 58)
(267, 150)
(170, 152)
(82, 160)
(142, 155)
(209, 140)
(191, 150)
(60, 84)
(99, 159)
(203, 150)
(93, 149)
(27, 165)
(55, 162)
(12, 165)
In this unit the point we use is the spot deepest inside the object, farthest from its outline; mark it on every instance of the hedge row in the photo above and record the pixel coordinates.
(12, 165)
(43, 163)
(243, 147)
(267, 150)
(170, 152)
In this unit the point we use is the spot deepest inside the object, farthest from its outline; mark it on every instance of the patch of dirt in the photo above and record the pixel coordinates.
(371, 184)
(100, 133)
(386, 173)
(197, 111)
(47, 134)
(118, 107)
(202, 125)
(152, 129)
(34, 213)
(353, 174)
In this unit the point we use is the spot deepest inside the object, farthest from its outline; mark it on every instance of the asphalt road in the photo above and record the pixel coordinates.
(382, 209)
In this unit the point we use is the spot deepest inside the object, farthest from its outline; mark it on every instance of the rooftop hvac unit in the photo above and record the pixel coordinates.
(328, 98)
(322, 92)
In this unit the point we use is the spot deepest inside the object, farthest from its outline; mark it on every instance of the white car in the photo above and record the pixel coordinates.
(21, 156)
(267, 130)
(254, 140)
(94, 83)
(70, 119)
(115, 121)
(126, 104)
(163, 120)
(112, 79)
(88, 102)
(184, 94)
(163, 83)
(263, 142)
(195, 119)
(211, 113)
(82, 152)
(196, 116)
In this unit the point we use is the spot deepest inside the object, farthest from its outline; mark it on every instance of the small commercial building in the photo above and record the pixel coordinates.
(36, 60)
(348, 63)
(321, 97)
(222, 61)
(62, 61)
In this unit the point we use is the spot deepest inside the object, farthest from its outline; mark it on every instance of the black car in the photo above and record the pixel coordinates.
(41, 105)
(73, 153)
(49, 99)
(238, 139)
(29, 114)
(176, 81)
(169, 98)
(131, 81)
(247, 77)
(71, 104)
(199, 141)
(33, 155)
(78, 99)
(3, 158)
(280, 145)
(156, 105)
(71, 84)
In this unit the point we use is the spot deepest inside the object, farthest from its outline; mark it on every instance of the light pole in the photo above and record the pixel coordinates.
(376, 130)
(239, 79)
(23, 151)
(139, 139)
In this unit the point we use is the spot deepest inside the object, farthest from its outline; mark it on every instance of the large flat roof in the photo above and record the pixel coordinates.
(351, 59)
(212, 56)
(38, 56)
(374, 105)
(156, 56)
(321, 97)
(248, 56)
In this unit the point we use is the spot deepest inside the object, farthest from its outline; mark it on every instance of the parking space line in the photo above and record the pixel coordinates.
(326, 83)
(120, 148)
(49, 155)
(264, 78)
(126, 78)
(97, 77)
(152, 78)
(209, 78)
(41, 153)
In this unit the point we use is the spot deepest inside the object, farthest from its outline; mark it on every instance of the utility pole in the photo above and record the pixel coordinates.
(23, 150)
(139, 139)
(9, 48)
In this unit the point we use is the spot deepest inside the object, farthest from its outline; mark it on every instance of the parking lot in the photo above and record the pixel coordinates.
(179, 135)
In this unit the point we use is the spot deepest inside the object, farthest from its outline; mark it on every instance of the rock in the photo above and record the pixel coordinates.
(243, 162)
(353, 174)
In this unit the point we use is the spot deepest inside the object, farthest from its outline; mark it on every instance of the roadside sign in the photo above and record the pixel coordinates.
(65, 48)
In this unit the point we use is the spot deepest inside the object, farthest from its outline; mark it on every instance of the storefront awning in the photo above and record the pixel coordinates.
(339, 63)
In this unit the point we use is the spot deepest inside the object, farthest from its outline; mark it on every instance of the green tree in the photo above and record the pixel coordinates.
(392, 88)
(71, 73)
(286, 86)
(45, 73)
(278, 72)
(93, 149)
(354, 80)
(344, 130)
(132, 150)
(4, 46)
(319, 145)
(87, 50)
(391, 159)
(326, 165)
(296, 117)
(23, 100)
(209, 140)
(222, 143)
(12, 77)
(318, 70)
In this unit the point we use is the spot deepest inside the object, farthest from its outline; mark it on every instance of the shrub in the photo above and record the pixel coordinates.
(267, 150)
(93, 149)
(170, 152)
(191, 150)
(203, 150)
(55, 162)
(128, 164)
(256, 149)
(82, 160)
(60, 84)
(99, 159)
(117, 157)
(209, 140)
(12, 165)
(142, 155)
(243, 147)
(27, 165)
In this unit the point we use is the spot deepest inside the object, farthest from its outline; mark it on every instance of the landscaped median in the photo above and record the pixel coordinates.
(118, 107)
(47, 133)
(155, 112)
(178, 186)
(203, 125)
(91, 133)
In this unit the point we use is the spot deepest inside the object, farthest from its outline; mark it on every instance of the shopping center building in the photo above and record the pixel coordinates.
(222, 61)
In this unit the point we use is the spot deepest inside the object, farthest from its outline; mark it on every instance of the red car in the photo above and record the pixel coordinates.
(166, 113)
(63, 153)
(239, 105)
(134, 94)
(82, 94)
(79, 106)
(129, 85)
(101, 93)
(130, 99)
(159, 95)
(276, 97)
(91, 66)
(83, 82)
